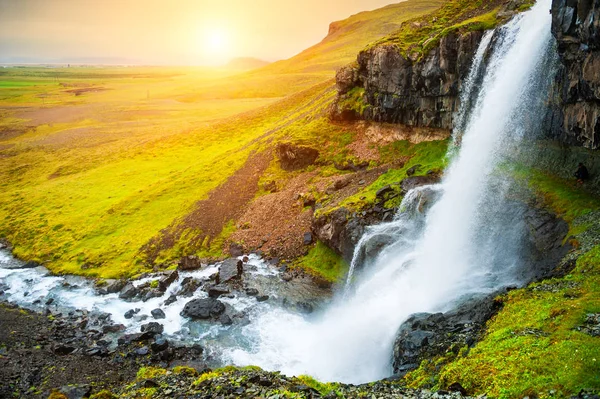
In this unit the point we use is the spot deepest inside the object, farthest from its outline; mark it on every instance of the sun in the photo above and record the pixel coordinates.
(216, 41)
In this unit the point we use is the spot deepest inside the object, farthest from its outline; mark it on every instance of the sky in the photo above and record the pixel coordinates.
(166, 32)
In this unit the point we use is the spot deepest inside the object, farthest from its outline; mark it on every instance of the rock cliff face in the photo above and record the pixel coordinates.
(387, 87)
(576, 26)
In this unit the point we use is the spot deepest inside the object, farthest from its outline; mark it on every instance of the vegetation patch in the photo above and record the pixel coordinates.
(323, 262)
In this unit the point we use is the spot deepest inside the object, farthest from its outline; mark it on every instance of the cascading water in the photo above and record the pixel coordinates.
(468, 243)
(448, 241)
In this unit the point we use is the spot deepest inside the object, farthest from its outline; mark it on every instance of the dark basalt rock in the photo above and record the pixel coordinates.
(294, 157)
(76, 391)
(203, 309)
(128, 292)
(216, 291)
(152, 328)
(167, 279)
(158, 314)
(159, 345)
(230, 269)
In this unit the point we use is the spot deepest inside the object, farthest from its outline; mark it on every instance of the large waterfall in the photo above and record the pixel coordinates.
(448, 242)
(467, 243)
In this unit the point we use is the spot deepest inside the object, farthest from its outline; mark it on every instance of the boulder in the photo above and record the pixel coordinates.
(113, 286)
(167, 279)
(308, 238)
(152, 328)
(191, 262)
(294, 157)
(128, 292)
(216, 291)
(159, 345)
(170, 300)
(158, 314)
(236, 250)
(203, 309)
(251, 292)
(76, 391)
(230, 269)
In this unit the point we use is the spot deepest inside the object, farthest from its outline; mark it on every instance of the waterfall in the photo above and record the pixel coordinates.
(468, 242)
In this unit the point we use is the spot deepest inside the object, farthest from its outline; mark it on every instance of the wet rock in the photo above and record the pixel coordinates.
(130, 313)
(153, 293)
(76, 391)
(189, 285)
(129, 338)
(413, 169)
(417, 181)
(113, 286)
(49, 301)
(167, 279)
(425, 335)
(158, 313)
(225, 320)
(30, 265)
(216, 291)
(262, 298)
(251, 292)
(152, 328)
(159, 345)
(230, 269)
(170, 300)
(113, 328)
(128, 292)
(294, 157)
(203, 309)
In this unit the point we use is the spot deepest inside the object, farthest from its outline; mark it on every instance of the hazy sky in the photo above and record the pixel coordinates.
(166, 31)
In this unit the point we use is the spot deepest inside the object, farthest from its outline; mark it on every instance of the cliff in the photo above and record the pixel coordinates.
(576, 27)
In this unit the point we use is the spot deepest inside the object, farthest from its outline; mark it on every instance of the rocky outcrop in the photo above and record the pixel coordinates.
(392, 88)
(294, 157)
(576, 26)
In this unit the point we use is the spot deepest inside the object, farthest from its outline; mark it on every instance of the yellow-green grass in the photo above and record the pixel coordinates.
(417, 36)
(533, 347)
(431, 155)
(86, 204)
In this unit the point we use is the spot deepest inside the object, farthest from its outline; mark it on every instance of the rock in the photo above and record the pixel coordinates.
(262, 298)
(159, 345)
(143, 351)
(63, 350)
(216, 291)
(230, 269)
(113, 328)
(236, 250)
(158, 314)
(167, 279)
(414, 169)
(203, 309)
(286, 277)
(308, 238)
(113, 286)
(130, 313)
(294, 157)
(225, 320)
(49, 301)
(189, 285)
(152, 328)
(188, 263)
(30, 265)
(128, 292)
(456, 387)
(170, 300)
(251, 292)
(417, 181)
(76, 391)
(424, 335)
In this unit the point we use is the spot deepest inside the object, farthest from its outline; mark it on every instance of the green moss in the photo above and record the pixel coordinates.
(146, 373)
(185, 370)
(323, 262)
(354, 100)
(154, 284)
(431, 155)
(323, 388)
(104, 394)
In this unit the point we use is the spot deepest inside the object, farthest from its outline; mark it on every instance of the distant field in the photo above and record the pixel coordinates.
(96, 161)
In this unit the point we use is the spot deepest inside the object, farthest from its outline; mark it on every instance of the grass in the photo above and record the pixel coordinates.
(431, 155)
(533, 347)
(417, 36)
(323, 262)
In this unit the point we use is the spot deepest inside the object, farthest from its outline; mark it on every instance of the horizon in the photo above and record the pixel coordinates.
(158, 33)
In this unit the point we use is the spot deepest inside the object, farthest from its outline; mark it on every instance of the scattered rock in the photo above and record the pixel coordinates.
(189, 263)
(158, 314)
(130, 313)
(216, 291)
(262, 298)
(159, 345)
(225, 320)
(64, 350)
(113, 286)
(76, 391)
(294, 157)
(128, 292)
(203, 309)
(167, 279)
(152, 328)
(170, 300)
(308, 238)
(230, 269)
(143, 351)
(251, 292)
(113, 328)
(236, 250)
(414, 169)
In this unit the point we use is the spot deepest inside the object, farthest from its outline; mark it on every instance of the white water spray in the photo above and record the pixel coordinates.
(428, 267)
(448, 241)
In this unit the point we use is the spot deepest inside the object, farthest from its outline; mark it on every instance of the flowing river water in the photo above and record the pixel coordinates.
(447, 243)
